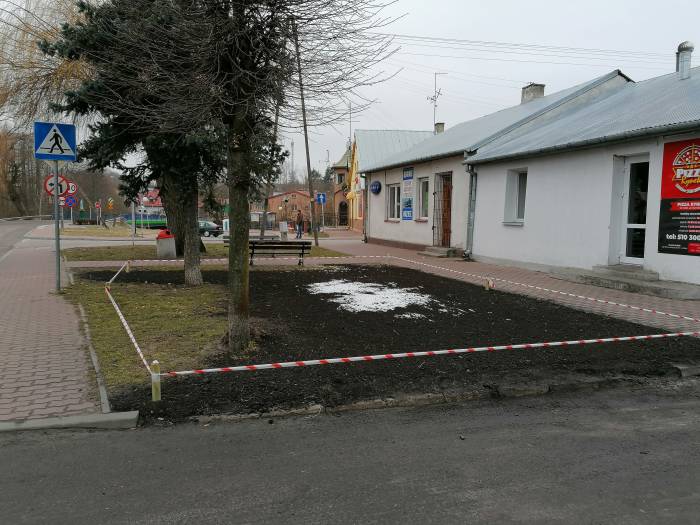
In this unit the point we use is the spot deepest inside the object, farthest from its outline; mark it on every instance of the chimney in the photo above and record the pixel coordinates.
(531, 92)
(439, 127)
(683, 59)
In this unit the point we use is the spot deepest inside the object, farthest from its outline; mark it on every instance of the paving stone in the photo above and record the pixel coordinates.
(41, 335)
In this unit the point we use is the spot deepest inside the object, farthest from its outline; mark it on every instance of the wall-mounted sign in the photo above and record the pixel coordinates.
(679, 220)
(376, 187)
(407, 195)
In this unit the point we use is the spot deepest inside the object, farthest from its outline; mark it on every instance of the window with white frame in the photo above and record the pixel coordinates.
(516, 192)
(423, 197)
(393, 193)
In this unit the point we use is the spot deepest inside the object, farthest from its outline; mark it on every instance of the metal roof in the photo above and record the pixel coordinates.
(469, 135)
(372, 146)
(344, 161)
(658, 105)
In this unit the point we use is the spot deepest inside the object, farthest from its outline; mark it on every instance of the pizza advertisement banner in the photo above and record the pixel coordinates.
(679, 221)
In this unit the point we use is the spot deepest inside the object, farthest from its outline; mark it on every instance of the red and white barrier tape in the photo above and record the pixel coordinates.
(549, 290)
(225, 259)
(118, 272)
(340, 360)
(128, 329)
(379, 357)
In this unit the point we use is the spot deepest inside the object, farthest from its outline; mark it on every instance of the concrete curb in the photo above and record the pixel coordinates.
(112, 421)
(104, 398)
(429, 399)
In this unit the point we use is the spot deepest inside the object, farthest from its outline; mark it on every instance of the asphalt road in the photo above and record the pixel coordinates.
(615, 456)
(11, 232)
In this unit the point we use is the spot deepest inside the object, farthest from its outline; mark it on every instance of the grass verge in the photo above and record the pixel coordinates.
(174, 324)
(122, 253)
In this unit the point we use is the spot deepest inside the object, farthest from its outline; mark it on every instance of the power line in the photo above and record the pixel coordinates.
(513, 45)
(463, 57)
(634, 59)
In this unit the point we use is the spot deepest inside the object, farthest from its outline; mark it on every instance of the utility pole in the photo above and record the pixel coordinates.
(435, 97)
(306, 136)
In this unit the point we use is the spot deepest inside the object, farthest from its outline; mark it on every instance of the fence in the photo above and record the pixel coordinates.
(154, 368)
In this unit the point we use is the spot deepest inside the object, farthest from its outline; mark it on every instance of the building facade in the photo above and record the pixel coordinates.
(287, 204)
(605, 177)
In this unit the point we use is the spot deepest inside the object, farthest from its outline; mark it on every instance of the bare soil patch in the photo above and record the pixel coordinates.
(310, 314)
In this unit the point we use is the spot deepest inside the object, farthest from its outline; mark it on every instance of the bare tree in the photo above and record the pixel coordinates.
(31, 81)
(232, 58)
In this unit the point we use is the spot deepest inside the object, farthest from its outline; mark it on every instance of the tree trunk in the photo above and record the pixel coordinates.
(193, 271)
(174, 212)
(238, 271)
(180, 198)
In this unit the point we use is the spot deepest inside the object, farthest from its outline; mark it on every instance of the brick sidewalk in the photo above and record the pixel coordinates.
(457, 269)
(44, 366)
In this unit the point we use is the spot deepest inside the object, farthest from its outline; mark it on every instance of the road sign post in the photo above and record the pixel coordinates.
(56, 226)
(321, 199)
(54, 141)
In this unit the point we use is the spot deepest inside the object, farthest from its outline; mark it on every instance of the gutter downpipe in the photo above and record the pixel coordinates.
(365, 206)
(471, 212)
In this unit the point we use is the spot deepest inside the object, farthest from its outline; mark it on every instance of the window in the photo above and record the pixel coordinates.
(341, 178)
(522, 190)
(423, 197)
(516, 192)
(394, 201)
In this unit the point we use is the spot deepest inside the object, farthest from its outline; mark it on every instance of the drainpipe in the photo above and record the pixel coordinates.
(471, 212)
(365, 206)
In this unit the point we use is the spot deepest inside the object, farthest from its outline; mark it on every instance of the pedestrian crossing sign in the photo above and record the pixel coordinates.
(54, 141)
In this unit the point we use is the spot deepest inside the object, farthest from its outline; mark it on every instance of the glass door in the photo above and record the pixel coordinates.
(634, 226)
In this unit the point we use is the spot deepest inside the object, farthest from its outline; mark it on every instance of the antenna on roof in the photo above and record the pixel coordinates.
(434, 99)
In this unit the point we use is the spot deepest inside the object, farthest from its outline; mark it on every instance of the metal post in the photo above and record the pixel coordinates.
(57, 229)
(323, 215)
(155, 381)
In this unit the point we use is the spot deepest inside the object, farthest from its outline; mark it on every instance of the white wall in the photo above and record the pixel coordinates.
(572, 211)
(416, 231)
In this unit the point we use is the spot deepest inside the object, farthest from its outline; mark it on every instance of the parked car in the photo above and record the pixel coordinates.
(210, 229)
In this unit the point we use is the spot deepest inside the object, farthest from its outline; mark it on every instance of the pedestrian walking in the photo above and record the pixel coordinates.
(299, 224)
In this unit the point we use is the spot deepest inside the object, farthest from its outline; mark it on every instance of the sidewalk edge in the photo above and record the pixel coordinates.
(112, 421)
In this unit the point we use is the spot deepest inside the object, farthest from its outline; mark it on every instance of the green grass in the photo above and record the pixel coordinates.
(177, 325)
(123, 253)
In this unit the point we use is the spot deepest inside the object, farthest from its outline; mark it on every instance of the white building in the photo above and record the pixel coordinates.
(429, 208)
(602, 175)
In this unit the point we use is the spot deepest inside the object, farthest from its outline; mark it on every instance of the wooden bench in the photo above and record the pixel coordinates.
(273, 248)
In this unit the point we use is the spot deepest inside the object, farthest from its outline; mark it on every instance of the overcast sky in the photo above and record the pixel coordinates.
(484, 79)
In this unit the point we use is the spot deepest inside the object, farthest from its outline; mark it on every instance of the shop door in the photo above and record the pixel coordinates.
(634, 210)
(442, 210)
